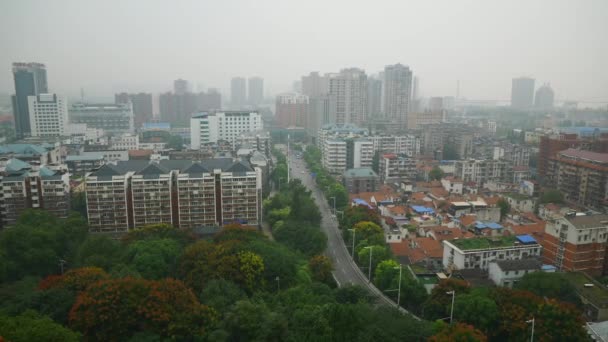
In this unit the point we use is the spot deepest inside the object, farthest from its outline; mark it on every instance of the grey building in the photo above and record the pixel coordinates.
(374, 97)
(256, 90)
(180, 87)
(238, 91)
(522, 92)
(30, 80)
(112, 118)
(544, 97)
(397, 93)
(142, 106)
(349, 87)
(315, 85)
(360, 180)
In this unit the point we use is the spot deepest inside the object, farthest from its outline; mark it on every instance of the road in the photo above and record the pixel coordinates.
(345, 270)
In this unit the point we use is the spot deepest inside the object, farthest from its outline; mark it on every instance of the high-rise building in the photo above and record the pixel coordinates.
(321, 111)
(291, 110)
(30, 80)
(238, 91)
(544, 97)
(256, 90)
(180, 87)
(176, 108)
(550, 145)
(209, 101)
(142, 106)
(183, 193)
(522, 92)
(397, 93)
(315, 85)
(349, 87)
(436, 104)
(227, 126)
(111, 117)
(374, 97)
(48, 115)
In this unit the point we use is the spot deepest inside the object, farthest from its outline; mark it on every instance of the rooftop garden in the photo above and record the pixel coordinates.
(597, 293)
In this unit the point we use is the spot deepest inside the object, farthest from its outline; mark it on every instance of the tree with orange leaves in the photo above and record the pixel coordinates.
(74, 280)
(458, 332)
(115, 309)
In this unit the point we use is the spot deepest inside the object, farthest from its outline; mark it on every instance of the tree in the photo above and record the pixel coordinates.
(37, 242)
(478, 310)
(385, 274)
(552, 196)
(320, 267)
(338, 191)
(78, 202)
(31, 326)
(75, 280)
(376, 162)
(159, 231)
(435, 174)
(505, 208)
(437, 304)
(449, 152)
(175, 142)
(458, 332)
(301, 236)
(352, 294)
(123, 307)
(552, 285)
(220, 294)
(356, 214)
(379, 254)
(367, 230)
(99, 251)
(153, 259)
(250, 321)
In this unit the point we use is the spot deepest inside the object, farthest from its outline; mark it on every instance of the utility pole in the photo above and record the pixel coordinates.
(399, 288)
(62, 264)
(453, 293)
(287, 158)
(531, 335)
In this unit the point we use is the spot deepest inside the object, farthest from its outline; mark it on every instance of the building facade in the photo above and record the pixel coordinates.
(30, 80)
(582, 176)
(292, 110)
(360, 180)
(577, 243)
(142, 106)
(238, 91)
(394, 167)
(315, 85)
(256, 90)
(522, 92)
(228, 126)
(481, 171)
(112, 118)
(544, 98)
(48, 115)
(349, 87)
(182, 193)
(397, 93)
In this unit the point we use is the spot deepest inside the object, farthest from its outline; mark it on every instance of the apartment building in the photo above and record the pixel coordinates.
(396, 167)
(48, 115)
(478, 253)
(481, 171)
(43, 154)
(398, 144)
(347, 131)
(577, 242)
(184, 193)
(125, 142)
(258, 140)
(551, 145)
(228, 126)
(334, 156)
(26, 186)
(417, 120)
(437, 136)
(112, 118)
(360, 180)
(582, 176)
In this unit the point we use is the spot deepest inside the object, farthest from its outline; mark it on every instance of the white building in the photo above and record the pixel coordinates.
(508, 272)
(227, 126)
(125, 142)
(397, 92)
(340, 155)
(334, 156)
(478, 253)
(452, 185)
(398, 144)
(48, 115)
(111, 117)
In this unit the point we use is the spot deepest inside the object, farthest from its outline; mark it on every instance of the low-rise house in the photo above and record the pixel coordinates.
(519, 202)
(360, 180)
(487, 228)
(452, 185)
(507, 273)
(478, 253)
(423, 251)
(593, 295)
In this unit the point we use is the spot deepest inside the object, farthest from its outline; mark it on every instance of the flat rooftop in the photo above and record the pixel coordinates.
(489, 243)
(597, 294)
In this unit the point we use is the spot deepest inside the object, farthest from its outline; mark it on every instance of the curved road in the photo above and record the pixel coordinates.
(345, 269)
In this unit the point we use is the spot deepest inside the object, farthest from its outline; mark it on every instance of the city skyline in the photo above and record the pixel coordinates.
(485, 60)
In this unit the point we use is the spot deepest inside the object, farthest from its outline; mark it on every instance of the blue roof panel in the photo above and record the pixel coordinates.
(526, 239)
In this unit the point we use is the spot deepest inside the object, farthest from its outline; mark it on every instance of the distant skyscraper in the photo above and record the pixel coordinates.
(349, 87)
(180, 87)
(374, 97)
(30, 80)
(256, 90)
(209, 101)
(48, 115)
(436, 104)
(522, 92)
(142, 106)
(238, 91)
(177, 109)
(292, 110)
(314, 85)
(544, 97)
(397, 92)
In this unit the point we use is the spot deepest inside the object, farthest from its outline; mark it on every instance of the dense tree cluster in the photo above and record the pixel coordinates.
(328, 184)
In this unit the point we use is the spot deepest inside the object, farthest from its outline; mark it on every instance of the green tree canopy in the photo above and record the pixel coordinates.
(436, 173)
(552, 285)
(552, 196)
(31, 326)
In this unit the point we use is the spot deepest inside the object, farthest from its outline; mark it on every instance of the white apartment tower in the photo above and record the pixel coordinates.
(227, 126)
(397, 92)
(349, 87)
(48, 115)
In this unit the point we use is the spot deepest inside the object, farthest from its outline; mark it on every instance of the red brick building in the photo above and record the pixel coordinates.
(577, 243)
(550, 145)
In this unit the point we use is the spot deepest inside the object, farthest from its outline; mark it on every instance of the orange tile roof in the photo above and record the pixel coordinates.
(398, 210)
(467, 220)
(535, 228)
(425, 247)
(440, 192)
(140, 153)
(491, 200)
(444, 233)
(418, 196)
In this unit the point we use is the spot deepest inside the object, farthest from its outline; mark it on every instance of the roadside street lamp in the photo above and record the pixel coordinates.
(369, 271)
(453, 293)
(62, 264)
(399, 287)
(354, 237)
(531, 335)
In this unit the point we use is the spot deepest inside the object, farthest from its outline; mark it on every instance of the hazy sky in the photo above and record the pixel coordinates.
(143, 45)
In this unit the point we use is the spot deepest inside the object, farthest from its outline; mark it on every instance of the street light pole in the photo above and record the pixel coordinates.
(399, 288)
(369, 271)
(531, 335)
(62, 264)
(354, 237)
(453, 293)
